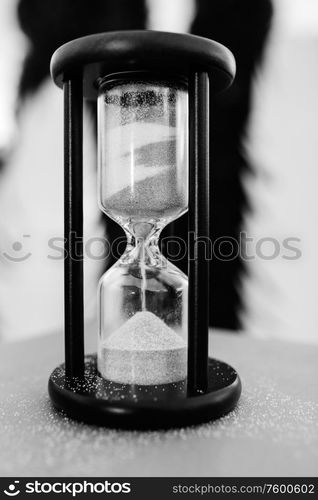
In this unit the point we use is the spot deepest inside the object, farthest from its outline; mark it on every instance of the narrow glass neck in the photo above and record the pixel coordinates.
(142, 244)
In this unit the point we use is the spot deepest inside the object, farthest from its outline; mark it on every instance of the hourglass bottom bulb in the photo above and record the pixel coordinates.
(143, 351)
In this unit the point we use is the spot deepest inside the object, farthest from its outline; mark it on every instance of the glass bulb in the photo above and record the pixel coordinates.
(143, 185)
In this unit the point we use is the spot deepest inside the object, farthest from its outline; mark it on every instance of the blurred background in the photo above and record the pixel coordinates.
(264, 153)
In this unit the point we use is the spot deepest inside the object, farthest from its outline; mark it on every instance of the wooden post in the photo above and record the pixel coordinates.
(198, 227)
(73, 227)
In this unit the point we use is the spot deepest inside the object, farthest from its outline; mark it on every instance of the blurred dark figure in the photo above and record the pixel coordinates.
(50, 23)
(240, 25)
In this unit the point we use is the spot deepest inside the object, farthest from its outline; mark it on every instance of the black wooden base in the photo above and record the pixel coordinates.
(97, 401)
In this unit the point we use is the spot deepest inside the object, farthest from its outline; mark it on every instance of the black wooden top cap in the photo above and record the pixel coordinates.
(115, 51)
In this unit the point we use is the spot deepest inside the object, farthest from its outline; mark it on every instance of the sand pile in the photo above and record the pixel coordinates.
(144, 351)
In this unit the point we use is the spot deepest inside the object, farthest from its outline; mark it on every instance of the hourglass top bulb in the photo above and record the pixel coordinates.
(143, 148)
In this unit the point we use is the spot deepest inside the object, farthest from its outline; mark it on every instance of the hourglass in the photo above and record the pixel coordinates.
(143, 185)
(152, 367)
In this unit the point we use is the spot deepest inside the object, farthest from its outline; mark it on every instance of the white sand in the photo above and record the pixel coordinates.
(144, 351)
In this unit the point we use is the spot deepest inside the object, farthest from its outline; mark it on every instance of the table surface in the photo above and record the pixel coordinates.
(272, 432)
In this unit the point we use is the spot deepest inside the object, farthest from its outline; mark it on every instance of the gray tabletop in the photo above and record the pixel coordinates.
(273, 431)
